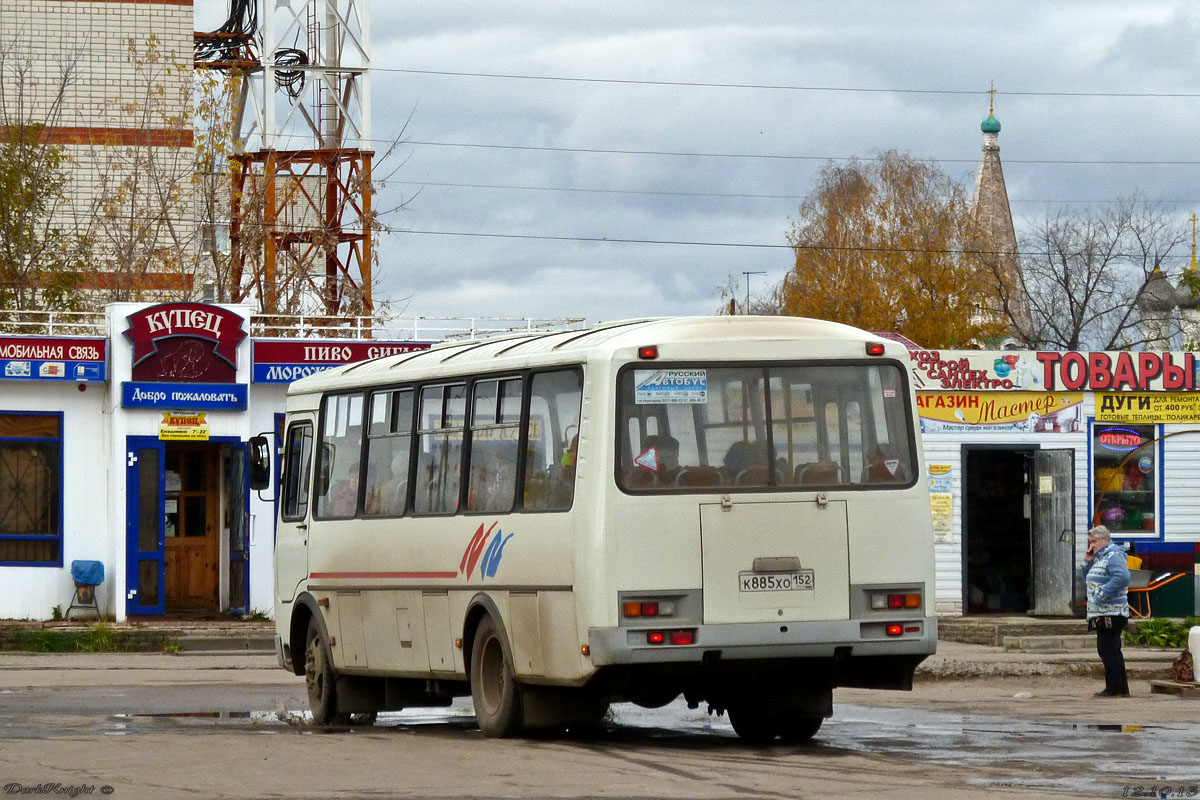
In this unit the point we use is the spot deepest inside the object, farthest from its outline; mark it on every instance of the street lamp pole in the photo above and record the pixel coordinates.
(748, 274)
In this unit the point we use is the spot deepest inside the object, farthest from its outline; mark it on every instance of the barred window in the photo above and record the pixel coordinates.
(30, 489)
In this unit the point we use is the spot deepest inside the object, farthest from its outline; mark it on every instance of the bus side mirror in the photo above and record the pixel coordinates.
(260, 463)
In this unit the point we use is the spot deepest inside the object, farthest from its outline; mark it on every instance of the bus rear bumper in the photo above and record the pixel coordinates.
(841, 639)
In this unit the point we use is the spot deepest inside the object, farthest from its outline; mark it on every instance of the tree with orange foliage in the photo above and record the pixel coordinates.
(891, 245)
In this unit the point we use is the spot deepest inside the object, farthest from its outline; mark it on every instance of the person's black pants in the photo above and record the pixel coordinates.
(1108, 645)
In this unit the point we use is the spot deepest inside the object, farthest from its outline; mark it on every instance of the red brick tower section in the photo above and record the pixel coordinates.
(992, 212)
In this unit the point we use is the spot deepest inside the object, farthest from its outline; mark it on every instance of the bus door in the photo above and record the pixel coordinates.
(291, 545)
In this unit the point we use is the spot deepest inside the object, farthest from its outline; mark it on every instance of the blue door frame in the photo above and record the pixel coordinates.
(145, 534)
(145, 543)
(237, 482)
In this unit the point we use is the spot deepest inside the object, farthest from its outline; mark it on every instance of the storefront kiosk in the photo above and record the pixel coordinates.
(1027, 450)
(130, 449)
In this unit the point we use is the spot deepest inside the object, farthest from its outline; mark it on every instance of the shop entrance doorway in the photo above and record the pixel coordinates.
(1018, 531)
(192, 508)
(186, 527)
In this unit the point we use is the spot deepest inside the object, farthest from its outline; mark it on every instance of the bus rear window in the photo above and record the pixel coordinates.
(695, 428)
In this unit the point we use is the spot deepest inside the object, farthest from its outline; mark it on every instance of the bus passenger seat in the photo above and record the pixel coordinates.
(699, 476)
(638, 478)
(818, 473)
(754, 476)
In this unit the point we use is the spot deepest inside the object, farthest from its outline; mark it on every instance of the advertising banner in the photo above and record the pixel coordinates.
(986, 412)
(1053, 371)
(1147, 408)
(283, 361)
(176, 427)
(47, 358)
(941, 500)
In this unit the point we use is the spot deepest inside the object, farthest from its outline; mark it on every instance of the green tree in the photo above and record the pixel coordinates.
(891, 245)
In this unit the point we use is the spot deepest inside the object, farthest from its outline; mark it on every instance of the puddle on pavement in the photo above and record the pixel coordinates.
(198, 715)
(991, 751)
(1022, 753)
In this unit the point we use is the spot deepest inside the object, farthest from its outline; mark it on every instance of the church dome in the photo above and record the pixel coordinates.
(1158, 294)
(990, 125)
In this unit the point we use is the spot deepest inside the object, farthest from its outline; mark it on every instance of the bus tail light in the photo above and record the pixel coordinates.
(648, 352)
(683, 637)
(895, 601)
(649, 608)
(895, 630)
(874, 349)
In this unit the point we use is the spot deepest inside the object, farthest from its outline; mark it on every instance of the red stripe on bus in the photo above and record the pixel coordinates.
(384, 575)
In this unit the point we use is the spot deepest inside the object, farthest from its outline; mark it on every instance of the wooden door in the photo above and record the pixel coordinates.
(192, 484)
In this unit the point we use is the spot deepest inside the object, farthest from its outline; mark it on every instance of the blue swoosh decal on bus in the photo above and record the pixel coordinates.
(491, 557)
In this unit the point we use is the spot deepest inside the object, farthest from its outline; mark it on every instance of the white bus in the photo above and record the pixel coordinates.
(730, 509)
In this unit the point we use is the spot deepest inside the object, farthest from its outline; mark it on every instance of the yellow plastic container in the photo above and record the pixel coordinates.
(1109, 479)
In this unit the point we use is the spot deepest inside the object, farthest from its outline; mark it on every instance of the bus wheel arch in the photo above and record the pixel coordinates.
(479, 607)
(303, 611)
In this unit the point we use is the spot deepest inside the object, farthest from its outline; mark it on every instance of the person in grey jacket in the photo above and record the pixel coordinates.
(1106, 577)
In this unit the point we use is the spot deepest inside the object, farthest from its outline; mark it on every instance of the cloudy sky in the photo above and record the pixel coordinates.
(615, 159)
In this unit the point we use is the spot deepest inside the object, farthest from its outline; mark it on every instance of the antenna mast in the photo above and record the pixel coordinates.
(300, 222)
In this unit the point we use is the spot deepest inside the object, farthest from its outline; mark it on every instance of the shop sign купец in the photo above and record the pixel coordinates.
(184, 357)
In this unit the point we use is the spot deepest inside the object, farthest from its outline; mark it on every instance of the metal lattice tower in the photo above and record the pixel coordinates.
(300, 221)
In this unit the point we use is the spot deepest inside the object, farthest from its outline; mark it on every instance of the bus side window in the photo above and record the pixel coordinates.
(495, 442)
(296, 472)
(439, 459)
(339, 455)
(389, 444)
(552, 440)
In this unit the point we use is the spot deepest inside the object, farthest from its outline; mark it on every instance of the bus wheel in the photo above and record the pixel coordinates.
(654, 698)
(320, 679)
(754, 724)
(495, 692)
(800, 729)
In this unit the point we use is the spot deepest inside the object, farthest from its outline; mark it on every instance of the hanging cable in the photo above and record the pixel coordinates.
(226, 43)
(292, 80)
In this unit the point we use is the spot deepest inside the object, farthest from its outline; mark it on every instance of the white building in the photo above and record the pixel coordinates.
(129, 448)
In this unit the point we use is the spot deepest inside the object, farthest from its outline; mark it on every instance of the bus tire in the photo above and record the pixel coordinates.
(753, 723)
(319, 678)
(495, 692)
(800, 729)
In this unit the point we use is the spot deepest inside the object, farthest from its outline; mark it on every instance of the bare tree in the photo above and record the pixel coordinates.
(736, 300)
(142, 221)
(40, 255)
(1088, 275)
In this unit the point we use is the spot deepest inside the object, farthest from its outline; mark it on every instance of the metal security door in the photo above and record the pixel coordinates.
(1053, 532)
(145, 548)
(237, 513)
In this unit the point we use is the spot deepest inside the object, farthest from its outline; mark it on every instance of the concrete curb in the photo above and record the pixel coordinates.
(958, 660)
